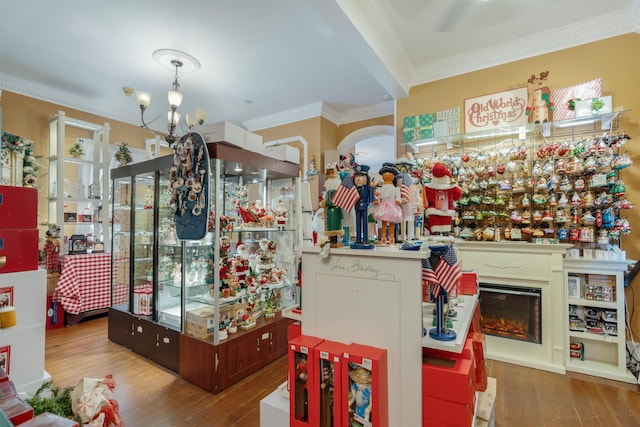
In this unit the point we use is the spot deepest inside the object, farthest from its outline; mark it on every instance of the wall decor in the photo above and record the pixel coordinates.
(495, 110)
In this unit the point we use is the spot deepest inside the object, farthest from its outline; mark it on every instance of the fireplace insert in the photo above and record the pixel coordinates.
(513, 312)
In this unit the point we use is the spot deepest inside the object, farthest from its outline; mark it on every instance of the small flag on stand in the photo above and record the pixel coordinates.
(346, 195)
(449, 270)
(429, 277)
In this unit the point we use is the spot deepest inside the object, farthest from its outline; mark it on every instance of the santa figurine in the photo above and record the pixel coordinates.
(240, 264)
(439, 197)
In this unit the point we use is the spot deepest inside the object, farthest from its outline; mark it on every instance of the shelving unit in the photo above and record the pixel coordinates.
(557, 180)
(74, 205)
(595, 318)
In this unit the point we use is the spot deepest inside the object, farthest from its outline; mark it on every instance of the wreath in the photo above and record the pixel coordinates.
(123, 154)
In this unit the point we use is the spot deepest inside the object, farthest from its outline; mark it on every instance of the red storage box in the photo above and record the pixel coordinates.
(55, 314)
(466, 353)
(295, 330)
(16, 409)
(440, 412)
(19, 249)
(367, 383)
(7, 389)
(304, 399)
(448, 378)
(329, 357)
(49, 420)
(468, 285)
(18, 208)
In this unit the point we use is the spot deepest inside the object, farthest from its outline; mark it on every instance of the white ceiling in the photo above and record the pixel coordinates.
(268, 62)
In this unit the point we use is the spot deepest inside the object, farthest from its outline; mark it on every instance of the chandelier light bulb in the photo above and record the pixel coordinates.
(175, 99)
(143, 99)
(173, 117)
(201, 115)
(191, 121)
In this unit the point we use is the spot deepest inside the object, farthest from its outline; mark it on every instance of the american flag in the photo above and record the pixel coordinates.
(346, 195)
(429, 277)
(405, 190)
(449, 270)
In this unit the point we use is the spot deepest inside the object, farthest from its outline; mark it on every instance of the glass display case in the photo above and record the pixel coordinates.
(146, 293)
(218, 291)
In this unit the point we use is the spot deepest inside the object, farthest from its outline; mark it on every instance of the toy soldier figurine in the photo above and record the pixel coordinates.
(362, 182)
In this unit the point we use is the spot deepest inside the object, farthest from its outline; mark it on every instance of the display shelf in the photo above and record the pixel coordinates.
(89, 171)
(559, 181)
(609, 338)
(603, 355)
(465, 307)
(592, 303)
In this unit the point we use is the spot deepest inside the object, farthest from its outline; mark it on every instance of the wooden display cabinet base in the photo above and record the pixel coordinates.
(216, 367)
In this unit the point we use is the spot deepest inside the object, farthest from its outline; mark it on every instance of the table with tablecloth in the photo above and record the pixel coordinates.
(85, 283)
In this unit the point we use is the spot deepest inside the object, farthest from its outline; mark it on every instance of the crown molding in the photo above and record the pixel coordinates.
(321, 109)
(367, 112)
(592, 30)
(371, 21)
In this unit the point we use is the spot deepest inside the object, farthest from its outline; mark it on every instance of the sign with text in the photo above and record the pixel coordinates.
(496, 110)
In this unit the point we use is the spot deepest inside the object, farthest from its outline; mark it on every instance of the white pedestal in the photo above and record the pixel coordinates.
(371, 297)
(26, 339)
(274, 409)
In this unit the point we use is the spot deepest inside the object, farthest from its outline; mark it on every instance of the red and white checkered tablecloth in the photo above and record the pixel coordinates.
(85, 282)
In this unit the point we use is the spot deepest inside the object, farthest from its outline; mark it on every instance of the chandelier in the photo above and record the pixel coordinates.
(176, 61)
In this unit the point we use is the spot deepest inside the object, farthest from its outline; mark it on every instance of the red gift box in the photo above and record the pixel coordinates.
(441, 412)
(18, 208)
(7, 389)
(481, 378)
(295, 330)
(466, 353)
(55, 314)
(369, 392)
(468, 285)
(49, 420)
(448, 378)
(16, 409)
(19, 249)
(329, 355)
(304, 399)
(475, 320)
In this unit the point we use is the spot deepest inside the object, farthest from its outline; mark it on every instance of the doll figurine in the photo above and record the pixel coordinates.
(280, 213)
(265, 256)
(362, 183)
(240, 265)
(332, 213)
(360, 393)
(388, 209)
(439, 197)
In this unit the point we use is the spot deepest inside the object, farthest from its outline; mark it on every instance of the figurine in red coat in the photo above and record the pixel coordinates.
(439, 197)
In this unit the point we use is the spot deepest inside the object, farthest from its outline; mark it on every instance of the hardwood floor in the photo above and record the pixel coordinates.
(150, 396)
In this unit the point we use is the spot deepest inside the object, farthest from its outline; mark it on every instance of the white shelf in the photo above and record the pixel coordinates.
(593, 303)
(461, 323)
(607, 338)
(605, 355)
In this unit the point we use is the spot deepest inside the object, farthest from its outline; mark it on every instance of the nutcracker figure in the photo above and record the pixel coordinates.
(362, 183)
(332, 213)
(439, 197)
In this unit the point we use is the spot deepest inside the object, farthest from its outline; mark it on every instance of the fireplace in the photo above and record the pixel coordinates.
(513, 312)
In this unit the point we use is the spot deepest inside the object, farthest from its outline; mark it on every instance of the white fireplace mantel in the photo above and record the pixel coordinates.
(526, 265)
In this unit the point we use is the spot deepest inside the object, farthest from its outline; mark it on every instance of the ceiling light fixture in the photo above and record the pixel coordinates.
(176, 61)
